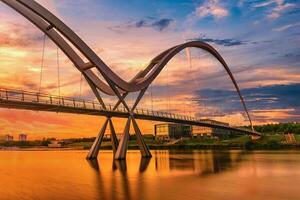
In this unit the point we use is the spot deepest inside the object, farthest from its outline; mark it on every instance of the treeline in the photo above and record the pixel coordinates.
(73, 140)
(280, 128)
(24, 143)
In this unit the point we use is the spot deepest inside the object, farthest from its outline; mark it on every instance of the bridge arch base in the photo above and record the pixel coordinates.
(120, 148)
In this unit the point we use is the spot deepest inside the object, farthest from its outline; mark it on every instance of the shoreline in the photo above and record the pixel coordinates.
(159, 147)
(40, 149)
(266, 142)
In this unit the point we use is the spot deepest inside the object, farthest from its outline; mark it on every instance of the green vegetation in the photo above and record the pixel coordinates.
(27, 144)
(243, 142)
(279, 128)
(267, 141)
(297, 137)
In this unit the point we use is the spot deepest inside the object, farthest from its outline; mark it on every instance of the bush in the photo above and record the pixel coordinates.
(249, 144)
(273, 144)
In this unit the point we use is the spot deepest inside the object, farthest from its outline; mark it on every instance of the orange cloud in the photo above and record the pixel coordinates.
(273, 115)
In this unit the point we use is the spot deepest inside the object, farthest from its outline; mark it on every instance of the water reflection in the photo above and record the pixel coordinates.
(201, 162)
(120, 165)
(168, 175)
(94, 164)
(123, 185)
(144, 164)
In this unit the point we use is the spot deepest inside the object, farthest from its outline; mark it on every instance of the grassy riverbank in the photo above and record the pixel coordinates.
(243, 142)
(276, 141)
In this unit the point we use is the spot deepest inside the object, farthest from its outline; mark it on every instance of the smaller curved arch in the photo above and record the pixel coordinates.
(170, 53)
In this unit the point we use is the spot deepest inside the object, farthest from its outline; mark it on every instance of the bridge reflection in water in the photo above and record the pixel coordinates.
(167, 175)
(199, 162)
(122, 185)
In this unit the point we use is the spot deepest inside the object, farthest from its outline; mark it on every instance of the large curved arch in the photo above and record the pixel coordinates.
(62, 35)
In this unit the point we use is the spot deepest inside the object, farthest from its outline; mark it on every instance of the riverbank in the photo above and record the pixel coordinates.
(41, 148)
(243, 142)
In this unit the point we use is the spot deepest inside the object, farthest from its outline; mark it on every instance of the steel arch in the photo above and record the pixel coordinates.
(63, 36)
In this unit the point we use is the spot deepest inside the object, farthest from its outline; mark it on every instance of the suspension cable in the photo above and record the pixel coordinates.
(189, 57)
(168, 92)
(80, 87)
(196, 82)
(58, 72)
(151, 96)
(42, 62)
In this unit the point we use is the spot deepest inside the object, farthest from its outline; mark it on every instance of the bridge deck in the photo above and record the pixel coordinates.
(44, 102)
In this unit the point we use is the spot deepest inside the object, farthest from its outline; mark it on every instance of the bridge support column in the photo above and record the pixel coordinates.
(141, 142)
(93, 153)
(113, 137)
(122, 148)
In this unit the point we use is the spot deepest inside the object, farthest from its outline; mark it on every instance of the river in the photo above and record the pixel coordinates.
(207, 174)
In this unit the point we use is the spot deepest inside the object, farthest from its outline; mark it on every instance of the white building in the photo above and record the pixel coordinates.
(9, 138)
(22, 137)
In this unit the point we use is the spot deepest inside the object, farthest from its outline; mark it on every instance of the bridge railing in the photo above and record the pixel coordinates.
(41, 98)
(31, 97)
(46, 99)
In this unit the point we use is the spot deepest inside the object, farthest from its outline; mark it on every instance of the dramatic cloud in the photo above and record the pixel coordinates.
(224, 42)
(211, 8)
(277, 7)
(161, 24)
(273, 97)
(150, 22)
(288, 26)
(263, 4)
(17, 35)
(264, 116)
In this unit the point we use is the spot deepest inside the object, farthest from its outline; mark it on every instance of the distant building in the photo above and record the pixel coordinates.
(201, 130)
(9, 138)
(107, 137)
(170, 130)
(119, 135)
(22, 137)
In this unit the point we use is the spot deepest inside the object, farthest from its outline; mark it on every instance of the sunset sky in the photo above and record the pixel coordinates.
(260, 41)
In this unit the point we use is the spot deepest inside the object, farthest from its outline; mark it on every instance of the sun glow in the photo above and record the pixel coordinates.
(12, 53)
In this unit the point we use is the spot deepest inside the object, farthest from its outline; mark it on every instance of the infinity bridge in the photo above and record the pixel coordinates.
(51, 103)
(110, 83)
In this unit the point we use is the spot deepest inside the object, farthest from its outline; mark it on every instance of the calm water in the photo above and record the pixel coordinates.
(168, 175)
